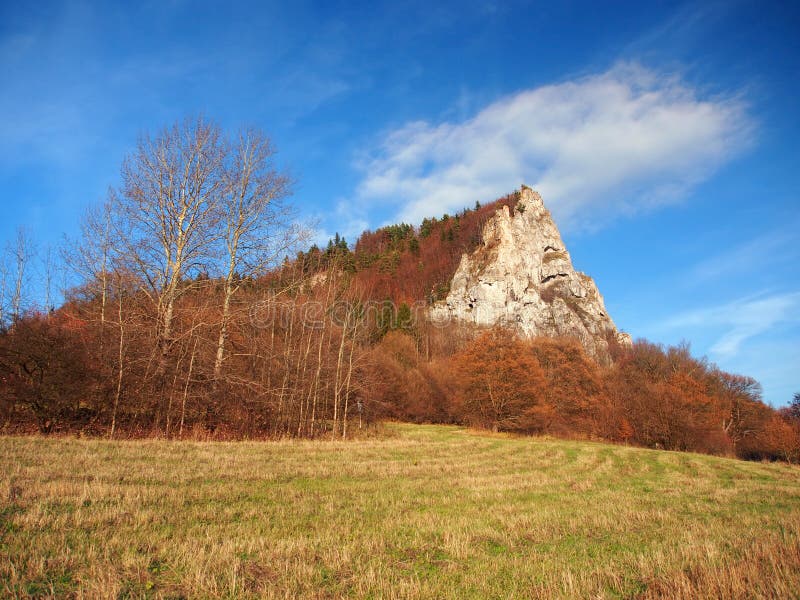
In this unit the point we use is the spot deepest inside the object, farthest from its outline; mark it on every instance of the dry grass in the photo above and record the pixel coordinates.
(430, 512)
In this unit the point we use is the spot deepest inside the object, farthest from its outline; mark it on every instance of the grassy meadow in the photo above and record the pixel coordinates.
(422, 512)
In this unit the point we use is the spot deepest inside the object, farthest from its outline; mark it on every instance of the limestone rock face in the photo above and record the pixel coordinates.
(521, 276)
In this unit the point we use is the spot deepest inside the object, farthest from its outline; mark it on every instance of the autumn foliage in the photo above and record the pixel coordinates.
(406, 264)
(652, 396)
(331, 340)
(290, 376)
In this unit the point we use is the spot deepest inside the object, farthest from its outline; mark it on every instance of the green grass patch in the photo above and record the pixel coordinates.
(428, 511)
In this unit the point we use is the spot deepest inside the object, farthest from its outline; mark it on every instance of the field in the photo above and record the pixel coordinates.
(421, 512)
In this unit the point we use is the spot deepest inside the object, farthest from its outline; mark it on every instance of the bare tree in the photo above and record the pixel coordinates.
(92, 256)
(120, 358)
(49, 266)
(21, 254)
(257, 225)
(356, 321)
(741, 397)
(164, 215)
(3, 282)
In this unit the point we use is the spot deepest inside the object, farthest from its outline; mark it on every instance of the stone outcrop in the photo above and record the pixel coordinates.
(521, 276)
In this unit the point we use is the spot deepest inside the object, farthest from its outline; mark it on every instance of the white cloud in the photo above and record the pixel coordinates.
(622, 141)
(739, 320)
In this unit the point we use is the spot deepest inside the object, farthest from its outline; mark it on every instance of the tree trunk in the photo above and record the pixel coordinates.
(223, 329)
(120, 355)
(186, 390)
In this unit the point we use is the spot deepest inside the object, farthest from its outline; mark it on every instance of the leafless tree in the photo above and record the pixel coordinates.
(164, 215)
(120, 358)
(741, 396)
(3, 282)
(257, 224)
(91, 257)
(21, 254)
(48, 265)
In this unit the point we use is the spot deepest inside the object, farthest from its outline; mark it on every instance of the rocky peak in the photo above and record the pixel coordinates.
(521, 276)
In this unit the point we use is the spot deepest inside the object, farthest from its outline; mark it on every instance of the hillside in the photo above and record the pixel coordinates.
(340, 337)
(503, 263)
(406, 263)
(429, 511)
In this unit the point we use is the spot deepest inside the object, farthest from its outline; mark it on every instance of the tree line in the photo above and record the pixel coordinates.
(649, 396)
(188, 318)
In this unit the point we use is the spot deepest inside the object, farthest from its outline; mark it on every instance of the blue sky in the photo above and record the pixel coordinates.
(663, 137)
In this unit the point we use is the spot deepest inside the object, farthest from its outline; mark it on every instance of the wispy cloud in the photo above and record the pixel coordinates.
(739, 320)
(780, 246)
(619, 142)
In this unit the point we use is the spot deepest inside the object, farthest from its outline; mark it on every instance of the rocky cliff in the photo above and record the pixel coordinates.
(522, 276)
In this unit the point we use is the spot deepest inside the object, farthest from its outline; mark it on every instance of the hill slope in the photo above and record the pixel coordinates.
(431, 511)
